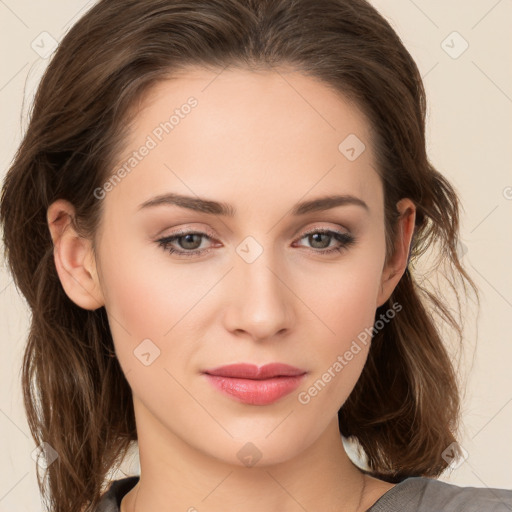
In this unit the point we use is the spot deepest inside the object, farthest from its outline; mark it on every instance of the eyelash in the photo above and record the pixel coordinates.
(344, 238)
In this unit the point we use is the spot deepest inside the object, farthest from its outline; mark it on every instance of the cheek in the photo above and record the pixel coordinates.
(347, 308)
(146, 299)
(345, 297)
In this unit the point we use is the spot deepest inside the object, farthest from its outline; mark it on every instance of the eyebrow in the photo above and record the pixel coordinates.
(223, 209)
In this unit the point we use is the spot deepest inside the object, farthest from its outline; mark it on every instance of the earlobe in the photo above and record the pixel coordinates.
(74, 258)
(394, 269)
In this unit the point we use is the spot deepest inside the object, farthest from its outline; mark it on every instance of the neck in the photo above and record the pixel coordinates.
(177, 476)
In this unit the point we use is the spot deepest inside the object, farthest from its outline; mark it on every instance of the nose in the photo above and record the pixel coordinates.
(259, 302)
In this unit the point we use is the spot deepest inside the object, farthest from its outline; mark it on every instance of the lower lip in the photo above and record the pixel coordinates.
(256, 392)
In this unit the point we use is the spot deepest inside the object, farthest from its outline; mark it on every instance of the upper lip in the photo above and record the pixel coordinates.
(251, 371)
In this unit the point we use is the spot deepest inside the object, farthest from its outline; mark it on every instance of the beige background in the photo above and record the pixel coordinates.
(469, 137)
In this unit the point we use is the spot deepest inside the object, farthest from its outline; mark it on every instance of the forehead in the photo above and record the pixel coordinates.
(235, 132)
(255, 102)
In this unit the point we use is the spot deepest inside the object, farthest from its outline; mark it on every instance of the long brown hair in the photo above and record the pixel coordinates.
(404, 409)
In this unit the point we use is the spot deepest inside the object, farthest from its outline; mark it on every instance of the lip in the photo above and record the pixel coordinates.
(250, 384)
(251, 371)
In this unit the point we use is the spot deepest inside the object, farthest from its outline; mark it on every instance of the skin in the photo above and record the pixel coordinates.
(260, 141)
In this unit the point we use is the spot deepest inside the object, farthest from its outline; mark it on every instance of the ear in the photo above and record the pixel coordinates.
(395, 267)
(74, 257)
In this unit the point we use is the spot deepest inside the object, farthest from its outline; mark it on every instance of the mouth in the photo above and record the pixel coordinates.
(253, 385)
(251, 371)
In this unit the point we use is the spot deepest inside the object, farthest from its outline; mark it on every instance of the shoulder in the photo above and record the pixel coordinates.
(421, 494)
(453, 497)
(111, 499)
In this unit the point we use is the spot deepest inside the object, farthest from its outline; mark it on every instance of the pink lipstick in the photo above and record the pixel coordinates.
(255, 385)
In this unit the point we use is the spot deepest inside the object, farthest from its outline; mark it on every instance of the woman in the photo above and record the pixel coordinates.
(221, 203)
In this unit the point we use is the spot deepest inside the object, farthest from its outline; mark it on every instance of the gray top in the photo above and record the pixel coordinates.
(414, 494)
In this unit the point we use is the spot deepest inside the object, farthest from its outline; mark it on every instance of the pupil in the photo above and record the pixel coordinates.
(189, 241)
(315, 235)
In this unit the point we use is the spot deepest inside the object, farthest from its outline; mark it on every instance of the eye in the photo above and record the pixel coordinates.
(190, 242)
(344, 240)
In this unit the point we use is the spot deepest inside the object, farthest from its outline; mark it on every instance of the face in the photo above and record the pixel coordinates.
(262, 284)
